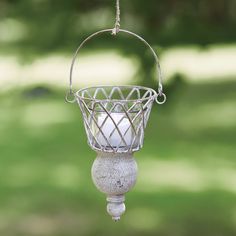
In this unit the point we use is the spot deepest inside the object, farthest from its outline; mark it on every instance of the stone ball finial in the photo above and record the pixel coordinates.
(114, 175)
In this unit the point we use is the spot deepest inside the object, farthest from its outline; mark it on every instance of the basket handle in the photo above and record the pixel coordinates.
(160, 98)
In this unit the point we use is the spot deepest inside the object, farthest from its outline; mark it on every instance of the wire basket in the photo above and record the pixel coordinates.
(115, 116)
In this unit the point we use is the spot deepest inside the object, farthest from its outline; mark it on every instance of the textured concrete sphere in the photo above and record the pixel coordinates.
(114, 174)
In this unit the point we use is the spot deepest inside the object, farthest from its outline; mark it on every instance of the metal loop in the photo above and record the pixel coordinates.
(159, 73)
(70, 97)
(159, 95)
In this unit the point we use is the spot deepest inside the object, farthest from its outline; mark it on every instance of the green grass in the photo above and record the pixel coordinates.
(187, 168)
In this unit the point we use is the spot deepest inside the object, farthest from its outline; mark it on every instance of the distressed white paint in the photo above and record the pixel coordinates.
(114, 175)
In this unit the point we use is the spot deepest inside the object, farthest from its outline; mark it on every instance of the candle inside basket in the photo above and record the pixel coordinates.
(108, 127)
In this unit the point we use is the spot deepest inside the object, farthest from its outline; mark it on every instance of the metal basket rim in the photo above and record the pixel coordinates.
(117, 100)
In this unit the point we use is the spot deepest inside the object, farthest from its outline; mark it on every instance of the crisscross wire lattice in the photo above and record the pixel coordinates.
(115, 117)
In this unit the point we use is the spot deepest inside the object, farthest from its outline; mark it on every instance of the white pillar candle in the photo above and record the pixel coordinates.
(108, 127)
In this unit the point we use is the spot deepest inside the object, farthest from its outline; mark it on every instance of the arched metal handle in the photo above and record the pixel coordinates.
(70, 97)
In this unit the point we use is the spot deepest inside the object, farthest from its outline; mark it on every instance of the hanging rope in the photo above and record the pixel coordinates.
(117, 23)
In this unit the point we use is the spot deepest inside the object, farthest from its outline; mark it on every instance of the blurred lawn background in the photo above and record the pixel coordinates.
(187, 168)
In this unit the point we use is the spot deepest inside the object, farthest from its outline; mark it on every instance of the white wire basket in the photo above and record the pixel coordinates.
(115, 117)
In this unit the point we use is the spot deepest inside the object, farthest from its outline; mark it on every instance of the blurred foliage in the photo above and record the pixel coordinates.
(57, 24)
(30, 28)
(45, 183)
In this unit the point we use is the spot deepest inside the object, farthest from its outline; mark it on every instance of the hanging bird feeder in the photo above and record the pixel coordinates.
(115, 118)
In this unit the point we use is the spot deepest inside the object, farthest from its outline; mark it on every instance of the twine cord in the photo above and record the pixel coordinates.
(117, 22)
